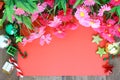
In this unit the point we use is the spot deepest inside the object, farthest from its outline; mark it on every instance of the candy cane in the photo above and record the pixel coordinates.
(12, 60)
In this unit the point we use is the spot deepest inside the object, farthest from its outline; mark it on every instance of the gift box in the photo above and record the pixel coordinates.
(8, 67)
(11, 51)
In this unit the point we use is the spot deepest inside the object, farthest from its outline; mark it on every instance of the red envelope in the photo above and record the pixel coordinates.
(74, 55)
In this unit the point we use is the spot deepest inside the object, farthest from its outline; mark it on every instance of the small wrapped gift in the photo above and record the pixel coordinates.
(8, 67)
(11, 50)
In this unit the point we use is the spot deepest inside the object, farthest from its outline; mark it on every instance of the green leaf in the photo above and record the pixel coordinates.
(98, 2)
(113, 10)
(7, 1)
(0, 23)
(9, 5)
(32, 4)
(24, 5)
(3, 18)
(9, 12)
(104, 59)
(26, 20)
(77, 3)
(56, 2)
(41, 1)
(105, 1)
(63, 4)
(110, 57)
(118, 11)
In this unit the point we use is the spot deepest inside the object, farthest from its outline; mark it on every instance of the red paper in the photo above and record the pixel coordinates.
(73, 55)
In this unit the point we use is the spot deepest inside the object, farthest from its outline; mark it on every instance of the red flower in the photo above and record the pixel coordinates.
(65, 17)
(49, 2)
(115, 2)
(73, 24)
(43, 20)
(72, 2)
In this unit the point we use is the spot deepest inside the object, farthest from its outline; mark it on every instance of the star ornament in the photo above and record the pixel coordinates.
(101, 51)
(19, 39)
(107, 68)
(96, 39)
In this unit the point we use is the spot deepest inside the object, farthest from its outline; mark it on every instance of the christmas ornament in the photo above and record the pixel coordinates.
(13, 61)
(8, 67)
(107, 68)
(4, 41)
(18, 39)
(113, 48)
(11, 50)
(101, 51)
(96, 39)
(11, 29)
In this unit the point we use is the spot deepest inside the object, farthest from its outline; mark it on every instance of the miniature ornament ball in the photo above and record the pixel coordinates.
(113, 48)
(10, 29)
(4, 41)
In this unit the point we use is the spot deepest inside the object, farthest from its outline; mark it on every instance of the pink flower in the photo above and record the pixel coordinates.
(111, 21)
(55, 23)
(87, 8)
(81, 13)
(13, 18)
(94, 23)
(89, 2)
(41, 30)
(19, 11)
(115, 2)
(24, 41)
(41, 7)
(72, 2)
(84, 22)
(108, 37)
(82, 16)
(37, 34)
(34, 16)
(104, 31)
(49, 2)
(33, 36)
(116, 30)
(45, 38)
(103, 9)
(59, 33)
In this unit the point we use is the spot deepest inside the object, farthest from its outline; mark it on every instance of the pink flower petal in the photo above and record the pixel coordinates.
(34, 16)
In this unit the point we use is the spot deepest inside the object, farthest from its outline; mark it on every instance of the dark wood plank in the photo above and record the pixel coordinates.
(41, 78)
(85, 78)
